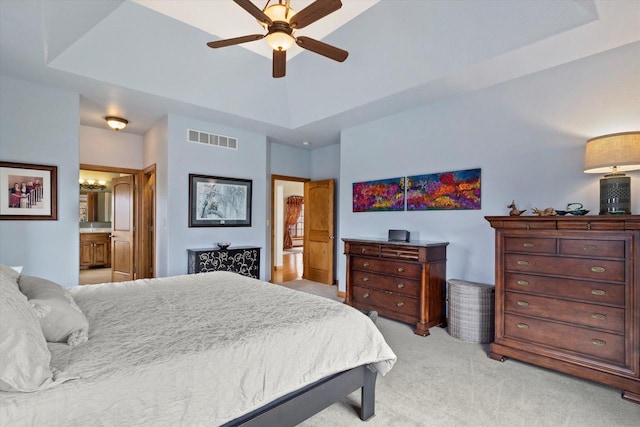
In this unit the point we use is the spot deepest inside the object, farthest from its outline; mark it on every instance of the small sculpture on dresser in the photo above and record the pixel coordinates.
(515, 211)
(546, 212)
(223, 245)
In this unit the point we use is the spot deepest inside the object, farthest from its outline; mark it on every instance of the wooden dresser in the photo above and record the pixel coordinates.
(405, 281)
(567, 296)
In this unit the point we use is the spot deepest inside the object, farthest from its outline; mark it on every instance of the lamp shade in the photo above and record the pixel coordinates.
(621, 150)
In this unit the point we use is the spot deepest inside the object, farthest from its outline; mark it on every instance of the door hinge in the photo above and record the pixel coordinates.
(134, 270)
(150, 270)
(151, 228)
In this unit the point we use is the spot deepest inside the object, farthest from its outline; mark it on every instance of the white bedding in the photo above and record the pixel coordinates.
(195, 350)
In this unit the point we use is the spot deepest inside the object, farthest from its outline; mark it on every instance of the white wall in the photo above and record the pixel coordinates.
(528, 136)
(106, 147)
(289, 161)
(39, 125)
(247, 162)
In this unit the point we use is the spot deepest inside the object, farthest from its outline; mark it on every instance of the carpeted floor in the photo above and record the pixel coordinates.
(443, 381)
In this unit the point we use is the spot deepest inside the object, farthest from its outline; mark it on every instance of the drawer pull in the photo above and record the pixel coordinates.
(521, 262)
(400, 304)
(529, 245)
(598, 292)
(598, 269)
(363, 250)
(590, 248)
(400, 285)
(598, 342)
(398, 253)
(365, 296)
(523, 282)
(598, 316)
(522, 326)
(523, 303)
(365, 264)
(365, 279)
(400, 269)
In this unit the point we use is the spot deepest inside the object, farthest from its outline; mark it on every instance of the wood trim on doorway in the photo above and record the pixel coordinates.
(275, 178)
(144, 218)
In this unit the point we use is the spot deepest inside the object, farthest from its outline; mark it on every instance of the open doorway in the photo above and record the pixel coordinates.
(287, 213)
(120, 244)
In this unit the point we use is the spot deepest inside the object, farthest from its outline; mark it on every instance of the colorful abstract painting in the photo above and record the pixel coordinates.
(447, 190)
(380, 195)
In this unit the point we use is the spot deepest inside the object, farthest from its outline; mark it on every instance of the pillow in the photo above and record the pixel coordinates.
(10, 273)
(60, 317)
(24, 356)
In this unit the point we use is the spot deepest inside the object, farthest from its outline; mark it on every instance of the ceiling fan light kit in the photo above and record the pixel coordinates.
(280, 21)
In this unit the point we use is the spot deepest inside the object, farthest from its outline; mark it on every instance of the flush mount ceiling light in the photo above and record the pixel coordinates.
(116, 123)
(281, 21)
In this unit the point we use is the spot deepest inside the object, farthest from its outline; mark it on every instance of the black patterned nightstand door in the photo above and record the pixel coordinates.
(244, 260)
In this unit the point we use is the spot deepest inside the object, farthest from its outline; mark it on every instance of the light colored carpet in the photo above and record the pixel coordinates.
(443, 381)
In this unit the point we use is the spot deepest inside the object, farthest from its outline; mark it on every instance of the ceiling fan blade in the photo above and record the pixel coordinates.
(322, 48)
(254, 10)
(236, 40)
(279, 63)
(316, 10)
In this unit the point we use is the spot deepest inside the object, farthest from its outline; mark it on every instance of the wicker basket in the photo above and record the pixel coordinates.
(471, 311)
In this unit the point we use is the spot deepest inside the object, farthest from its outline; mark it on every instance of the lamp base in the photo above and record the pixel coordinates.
(615, 195)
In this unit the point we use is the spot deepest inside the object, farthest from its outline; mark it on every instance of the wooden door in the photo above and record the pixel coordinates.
(318, 231)
(123, 231)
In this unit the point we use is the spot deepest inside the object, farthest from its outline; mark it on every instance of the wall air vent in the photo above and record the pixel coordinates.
(200, 137)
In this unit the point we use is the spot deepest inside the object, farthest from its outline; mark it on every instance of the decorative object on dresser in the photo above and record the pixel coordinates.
(514, 210)
(399, 235)
(573, 209)
(546, 212)
(568, 297)
(244, 260)
(614, 154)
(405, 281)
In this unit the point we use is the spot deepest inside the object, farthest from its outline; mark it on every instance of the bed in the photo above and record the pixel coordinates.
(205, 349)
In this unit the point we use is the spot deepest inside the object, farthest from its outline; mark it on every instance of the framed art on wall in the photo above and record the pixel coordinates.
(216, 201)
(446, 190)
(28, 191)
(379, 195)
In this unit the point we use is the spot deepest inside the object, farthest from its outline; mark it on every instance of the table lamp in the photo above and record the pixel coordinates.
(614, 154)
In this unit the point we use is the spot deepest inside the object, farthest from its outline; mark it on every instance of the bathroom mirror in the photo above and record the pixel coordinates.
(95, 206)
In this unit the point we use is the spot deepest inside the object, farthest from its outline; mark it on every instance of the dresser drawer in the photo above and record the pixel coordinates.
(399, 285)
(395, 302)
(597, 316)
(593, 248)
(595, 292)
(593, 344)
(403, 269)
(400, 252)
(598, 269)
(363, 249)
(530, 245)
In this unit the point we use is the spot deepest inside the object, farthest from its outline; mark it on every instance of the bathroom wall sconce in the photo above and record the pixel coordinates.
(90, 184)
(116, 123)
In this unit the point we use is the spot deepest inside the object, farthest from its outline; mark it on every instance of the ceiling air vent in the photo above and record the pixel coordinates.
(200, 137)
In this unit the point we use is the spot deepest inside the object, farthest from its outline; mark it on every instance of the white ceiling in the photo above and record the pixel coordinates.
(144, 59)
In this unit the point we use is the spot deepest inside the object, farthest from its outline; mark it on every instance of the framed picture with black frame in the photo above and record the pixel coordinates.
(216, 201)
(28, 192)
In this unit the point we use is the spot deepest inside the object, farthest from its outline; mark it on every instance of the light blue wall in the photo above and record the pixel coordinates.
(39, 125)
(247, 162)
(527, 136)
(289, 161)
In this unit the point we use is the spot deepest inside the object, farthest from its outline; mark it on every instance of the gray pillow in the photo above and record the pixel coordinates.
(24, 356)
(60, 317)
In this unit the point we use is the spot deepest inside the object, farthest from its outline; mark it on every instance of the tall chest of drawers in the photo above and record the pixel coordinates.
(568, 298)
(405, 281)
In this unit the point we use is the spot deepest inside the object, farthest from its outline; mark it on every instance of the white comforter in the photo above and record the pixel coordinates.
(195, 350)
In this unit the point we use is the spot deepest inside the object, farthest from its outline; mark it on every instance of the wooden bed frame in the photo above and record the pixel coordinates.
(295, 407)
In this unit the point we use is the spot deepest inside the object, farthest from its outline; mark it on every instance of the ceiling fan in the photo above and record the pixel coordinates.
(281, 22)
